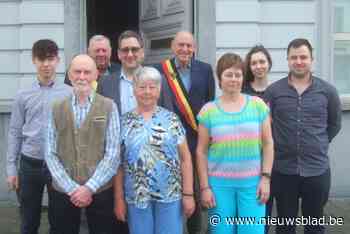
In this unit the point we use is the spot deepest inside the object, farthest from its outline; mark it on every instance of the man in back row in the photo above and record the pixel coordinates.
(198, 86)
(119, 87)
(100, 51)
(188, 84)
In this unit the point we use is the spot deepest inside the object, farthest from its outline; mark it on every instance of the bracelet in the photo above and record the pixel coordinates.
(266, 175)
(187, 194)
(205, 188)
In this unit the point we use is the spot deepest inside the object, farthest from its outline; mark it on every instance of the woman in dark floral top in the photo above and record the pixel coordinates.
(258, 63)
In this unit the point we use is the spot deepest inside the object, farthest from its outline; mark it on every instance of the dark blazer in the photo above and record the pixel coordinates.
(202, 90)
(109, 86)
(113, 68)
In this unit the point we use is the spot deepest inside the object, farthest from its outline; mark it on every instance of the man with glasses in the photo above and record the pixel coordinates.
(118, 86)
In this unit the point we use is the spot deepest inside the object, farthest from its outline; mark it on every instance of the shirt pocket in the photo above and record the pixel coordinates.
(99, 125)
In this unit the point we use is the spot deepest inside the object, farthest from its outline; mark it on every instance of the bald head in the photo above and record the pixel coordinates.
(82, 58)
(184, 34)
(183, 47)
(82, 72)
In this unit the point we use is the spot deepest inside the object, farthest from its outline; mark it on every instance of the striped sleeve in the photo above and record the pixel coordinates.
(55, 166)
(107, 167)
(262, 108)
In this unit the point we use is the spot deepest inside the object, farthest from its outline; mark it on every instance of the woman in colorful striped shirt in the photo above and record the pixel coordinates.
(234, 155)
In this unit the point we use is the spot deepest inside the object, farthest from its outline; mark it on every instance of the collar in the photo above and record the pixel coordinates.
(312, 80)
(51, 84)
(106, 72)
(177, 64)
(109, 69)
(123, 76)
(90, 98)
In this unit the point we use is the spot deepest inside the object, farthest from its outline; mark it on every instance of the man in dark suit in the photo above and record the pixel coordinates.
(100, 51)
(195, 87)
(118, 85)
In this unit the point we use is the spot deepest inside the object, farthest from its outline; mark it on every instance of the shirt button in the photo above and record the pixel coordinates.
(298, 120)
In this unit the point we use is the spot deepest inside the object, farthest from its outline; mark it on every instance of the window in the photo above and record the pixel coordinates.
(341, 46)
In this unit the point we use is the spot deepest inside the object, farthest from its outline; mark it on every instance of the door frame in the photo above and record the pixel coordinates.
(204, 26)
(74, 28)
(204, 23)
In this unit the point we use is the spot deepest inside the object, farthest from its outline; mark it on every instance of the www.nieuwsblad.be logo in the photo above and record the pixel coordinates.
(216, 219)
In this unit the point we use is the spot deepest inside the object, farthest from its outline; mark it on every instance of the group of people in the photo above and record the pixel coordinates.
(142, 149)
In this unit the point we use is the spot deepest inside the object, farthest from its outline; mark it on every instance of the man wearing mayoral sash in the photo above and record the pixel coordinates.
(190, 85)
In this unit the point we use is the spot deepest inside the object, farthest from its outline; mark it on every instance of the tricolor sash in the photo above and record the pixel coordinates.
(178, 90)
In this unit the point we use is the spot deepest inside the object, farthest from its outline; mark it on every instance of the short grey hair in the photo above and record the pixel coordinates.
(99, 38)
(148, 73)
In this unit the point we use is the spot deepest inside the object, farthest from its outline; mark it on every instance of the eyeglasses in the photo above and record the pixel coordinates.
(133, 50)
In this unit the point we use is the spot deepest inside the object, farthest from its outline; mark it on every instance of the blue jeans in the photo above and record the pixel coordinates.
(236, 202)
(33, 176)
(157, 218)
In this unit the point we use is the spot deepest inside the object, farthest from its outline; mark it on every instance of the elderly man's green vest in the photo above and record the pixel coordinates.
(81, 149)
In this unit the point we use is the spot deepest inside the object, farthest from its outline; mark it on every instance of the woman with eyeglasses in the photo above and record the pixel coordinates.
(234, 154)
